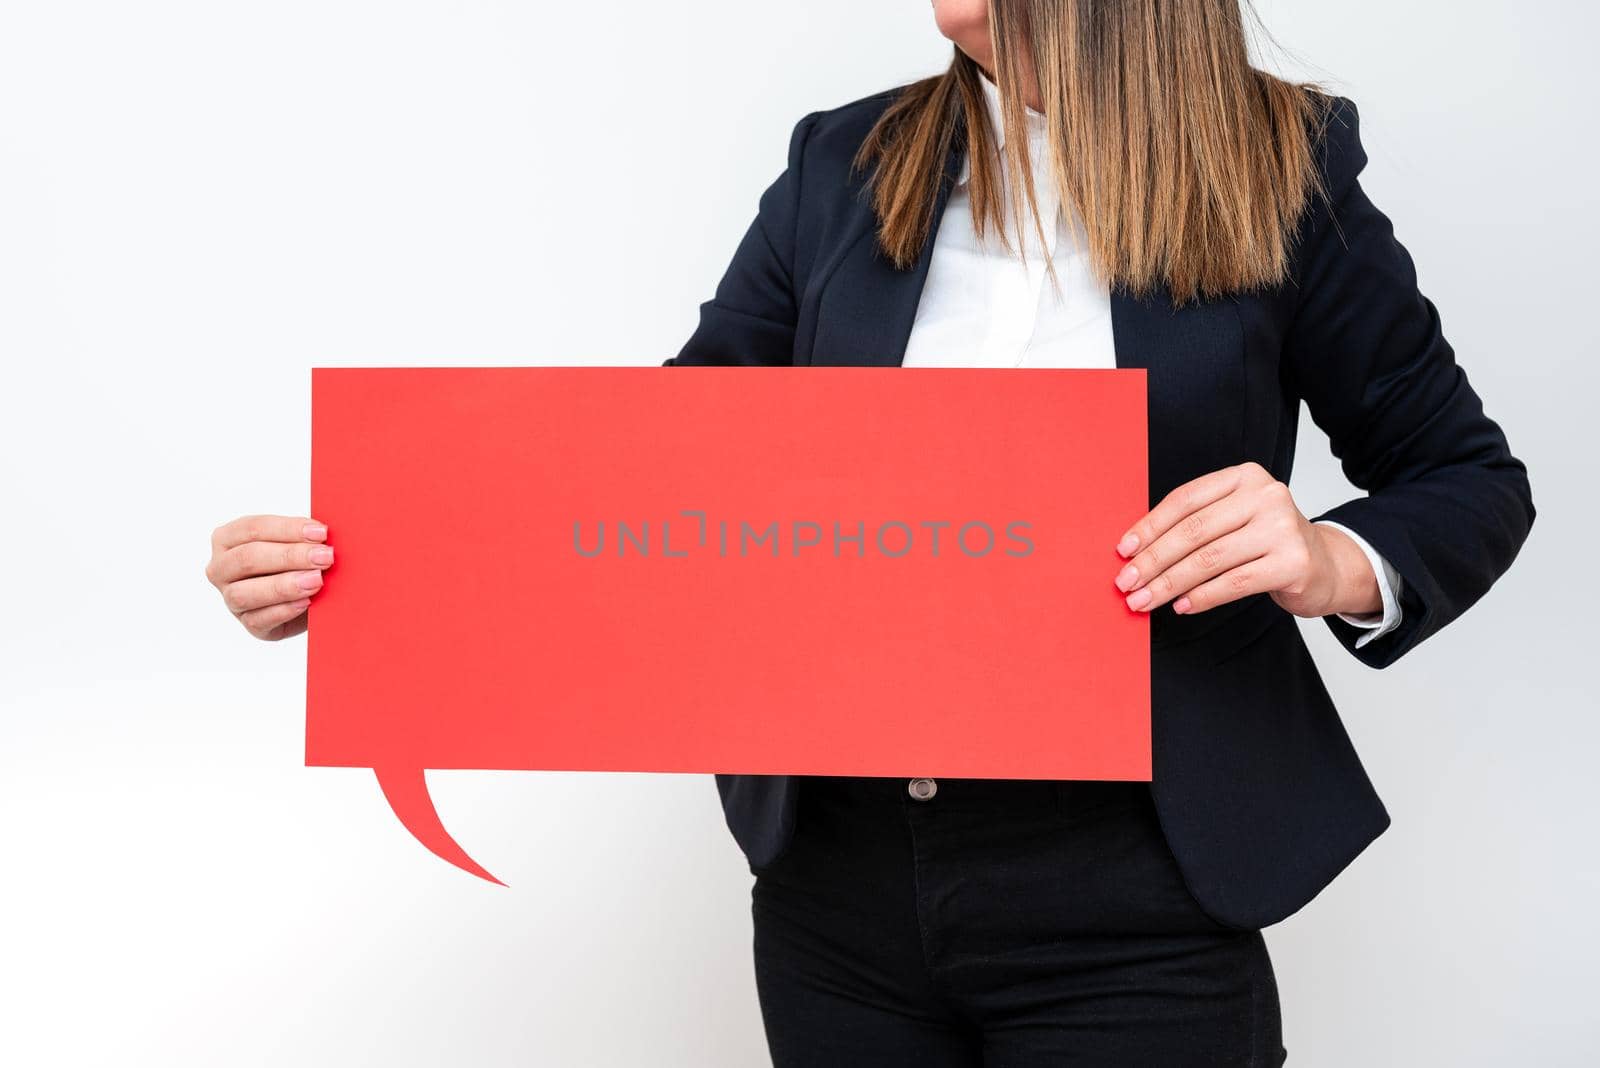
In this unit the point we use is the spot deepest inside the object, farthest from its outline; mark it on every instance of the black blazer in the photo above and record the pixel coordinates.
(1260, 793)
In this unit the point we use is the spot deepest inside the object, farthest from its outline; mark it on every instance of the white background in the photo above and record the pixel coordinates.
(200, 201)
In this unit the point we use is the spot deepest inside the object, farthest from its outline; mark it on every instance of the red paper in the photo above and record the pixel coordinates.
(462, 627)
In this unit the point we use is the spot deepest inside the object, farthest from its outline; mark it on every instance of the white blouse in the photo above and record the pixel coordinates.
(982, 306)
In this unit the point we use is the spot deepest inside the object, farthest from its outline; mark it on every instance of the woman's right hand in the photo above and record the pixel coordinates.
(268, 567)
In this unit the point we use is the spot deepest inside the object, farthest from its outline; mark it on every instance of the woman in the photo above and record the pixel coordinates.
(1183, 213)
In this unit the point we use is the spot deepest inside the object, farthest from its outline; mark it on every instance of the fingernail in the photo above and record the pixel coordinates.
(314, 532)
(1138, 599)
(322, 555)
(1128, 544)
(304, 602)
(1181, 605)
(309, 580)
(1127, 577)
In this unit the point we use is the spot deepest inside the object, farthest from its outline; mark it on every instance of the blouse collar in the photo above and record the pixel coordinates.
(1033, 121)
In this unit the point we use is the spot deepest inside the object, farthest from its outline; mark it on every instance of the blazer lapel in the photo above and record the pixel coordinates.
(867, 307)
(1195, 382)
(1136, 333)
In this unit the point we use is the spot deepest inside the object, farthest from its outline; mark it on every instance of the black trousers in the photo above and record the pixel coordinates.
(998, 923)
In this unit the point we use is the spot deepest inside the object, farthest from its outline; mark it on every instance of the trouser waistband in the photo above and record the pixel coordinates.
(962, 790)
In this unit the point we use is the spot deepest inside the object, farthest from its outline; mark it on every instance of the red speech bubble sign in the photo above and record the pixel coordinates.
(823, 571)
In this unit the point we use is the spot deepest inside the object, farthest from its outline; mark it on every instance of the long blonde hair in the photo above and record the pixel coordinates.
(1189, 167)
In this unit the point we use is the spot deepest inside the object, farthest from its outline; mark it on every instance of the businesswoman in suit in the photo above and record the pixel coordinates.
(1103, 183)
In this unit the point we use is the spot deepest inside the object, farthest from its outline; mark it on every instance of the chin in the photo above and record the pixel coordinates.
(966, 23)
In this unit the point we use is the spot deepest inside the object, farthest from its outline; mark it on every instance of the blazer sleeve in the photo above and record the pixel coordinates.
(751, 319)
(1446, 502)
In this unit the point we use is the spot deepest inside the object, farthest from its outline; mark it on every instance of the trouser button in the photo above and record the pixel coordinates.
(922, 789)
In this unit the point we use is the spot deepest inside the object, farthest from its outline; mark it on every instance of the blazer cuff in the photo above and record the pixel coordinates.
(1377, 624)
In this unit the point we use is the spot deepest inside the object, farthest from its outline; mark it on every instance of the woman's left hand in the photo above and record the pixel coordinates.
(1237, 532)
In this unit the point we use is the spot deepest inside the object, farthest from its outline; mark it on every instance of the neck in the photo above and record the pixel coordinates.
(1030, 87)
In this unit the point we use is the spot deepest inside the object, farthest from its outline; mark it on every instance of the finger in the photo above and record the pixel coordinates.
(249, 594)
(267, 528)
(267, 558)
(1210, 560)
(277, 621)
(1189, 497)
(1191, 534)
(1254, 577)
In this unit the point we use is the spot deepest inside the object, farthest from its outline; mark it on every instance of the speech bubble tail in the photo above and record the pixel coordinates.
(407, 793)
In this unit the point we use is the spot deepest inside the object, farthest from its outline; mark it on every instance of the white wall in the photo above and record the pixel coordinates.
(199, 201)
